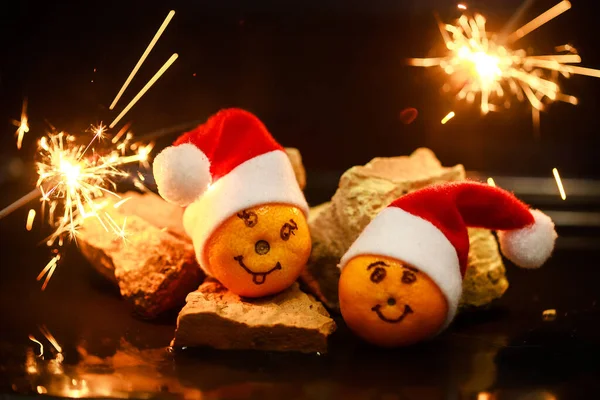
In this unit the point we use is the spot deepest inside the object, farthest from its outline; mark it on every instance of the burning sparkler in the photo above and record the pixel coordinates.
(71, 180)
(482, 64)
(73, 177)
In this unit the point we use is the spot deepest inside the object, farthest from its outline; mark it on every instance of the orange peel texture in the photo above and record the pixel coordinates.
(389, 303)
(261, 250)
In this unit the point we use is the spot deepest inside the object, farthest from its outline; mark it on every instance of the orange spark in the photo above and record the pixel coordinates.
(448, 117)
(143, 57)
(561, 189)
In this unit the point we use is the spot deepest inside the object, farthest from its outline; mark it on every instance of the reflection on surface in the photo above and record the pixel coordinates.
(129, 372)
(506, 352)
(470, 361)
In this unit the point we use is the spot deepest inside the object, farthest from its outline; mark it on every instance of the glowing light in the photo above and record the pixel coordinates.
(408, 115)
(481, 65)
(540, 20)
(448, 117)
(156, 76)
(30, 219)
(33, 339)
(73, 180)
(70, 181)
(561, 189)
(22, 125)
(121, 202)
(549, 315)
(461, 6)
(48, 271)
(490, 181)
(157, 35)
(46, 332)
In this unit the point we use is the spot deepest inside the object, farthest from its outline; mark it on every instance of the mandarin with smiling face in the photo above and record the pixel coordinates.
(244, 209)
(389, 303)
(259, 251)
(401, 279)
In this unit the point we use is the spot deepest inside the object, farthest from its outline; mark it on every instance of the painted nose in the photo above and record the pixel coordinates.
(262, 247)
(391, 301)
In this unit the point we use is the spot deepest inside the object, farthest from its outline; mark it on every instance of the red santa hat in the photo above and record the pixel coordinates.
(226, 165)
(428, 230)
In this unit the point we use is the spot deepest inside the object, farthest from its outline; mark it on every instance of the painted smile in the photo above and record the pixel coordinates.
(377, 310)
(257, 277)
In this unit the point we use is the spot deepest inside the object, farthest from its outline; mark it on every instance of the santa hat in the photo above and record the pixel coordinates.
(226, 165)
(428, 230)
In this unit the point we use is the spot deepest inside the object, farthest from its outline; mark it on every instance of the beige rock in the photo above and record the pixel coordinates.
(155, 266)
(364, 191)
(289, 321)
(296, 160)
(485, 279)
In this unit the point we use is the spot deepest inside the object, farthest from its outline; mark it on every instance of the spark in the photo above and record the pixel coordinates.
(121, 132)
(48, 335)
(484, 396)
(31, 366)
(448, 117)
(490, 181)
(483, 65)
(156, 76)
(33, 339)
(30, 219)
(461, 6)
(561, 189)
(22, 125)
(121, 202)
(48, 271)
(72, 177)
(539, 20)
(157, 35)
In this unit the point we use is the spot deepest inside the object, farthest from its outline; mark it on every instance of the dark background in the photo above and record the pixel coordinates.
(330, 78)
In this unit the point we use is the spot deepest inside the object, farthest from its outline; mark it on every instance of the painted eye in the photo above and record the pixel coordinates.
(408, 277)
(249, 217)
(378, 275)
(288, 229)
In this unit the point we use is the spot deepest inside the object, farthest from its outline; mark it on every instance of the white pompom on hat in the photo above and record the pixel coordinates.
(182, 173)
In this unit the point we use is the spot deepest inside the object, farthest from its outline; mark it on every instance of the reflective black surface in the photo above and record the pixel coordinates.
(506, 351)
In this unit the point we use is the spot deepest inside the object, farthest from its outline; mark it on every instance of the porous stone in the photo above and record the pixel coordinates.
(362, 193)
(154, 266)
(289, 321)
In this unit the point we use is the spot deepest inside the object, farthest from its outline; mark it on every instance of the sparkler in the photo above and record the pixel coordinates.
(73, 180)
(483, 64)
(72, 177)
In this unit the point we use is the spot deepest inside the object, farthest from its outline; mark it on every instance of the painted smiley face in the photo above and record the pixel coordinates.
(389, 303)
(260, 250)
